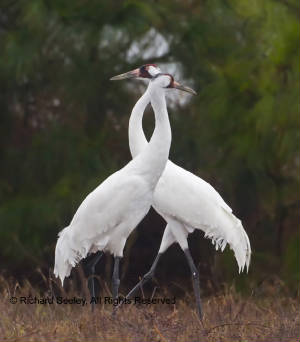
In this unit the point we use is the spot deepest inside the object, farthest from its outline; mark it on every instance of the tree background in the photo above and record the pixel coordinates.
(64, 124)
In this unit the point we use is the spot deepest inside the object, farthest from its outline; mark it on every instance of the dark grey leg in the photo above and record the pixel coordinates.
(115, 278)
(196, 283)
(91, 280)
(140, 284)
(145, 277)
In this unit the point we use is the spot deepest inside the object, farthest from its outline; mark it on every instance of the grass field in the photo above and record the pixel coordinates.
(266, 317)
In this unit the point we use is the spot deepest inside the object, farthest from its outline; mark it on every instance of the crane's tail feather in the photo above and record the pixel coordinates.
(67, 254)
(234, 235)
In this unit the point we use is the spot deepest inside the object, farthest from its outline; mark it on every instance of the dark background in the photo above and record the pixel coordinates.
(64, 125)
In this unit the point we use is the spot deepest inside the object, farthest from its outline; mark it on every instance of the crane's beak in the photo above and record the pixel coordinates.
(130, 74)
(183, 88)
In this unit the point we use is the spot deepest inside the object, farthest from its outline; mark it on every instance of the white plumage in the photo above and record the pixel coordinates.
(195, 204)
(187, 202)
(108, 215)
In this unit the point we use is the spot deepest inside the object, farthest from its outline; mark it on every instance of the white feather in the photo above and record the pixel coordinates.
(108, 214)
(187, 202)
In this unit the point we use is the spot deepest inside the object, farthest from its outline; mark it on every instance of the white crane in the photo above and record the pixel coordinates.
(187, 203)
(108, 214)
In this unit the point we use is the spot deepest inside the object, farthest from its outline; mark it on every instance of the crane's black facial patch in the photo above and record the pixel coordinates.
(144, 70)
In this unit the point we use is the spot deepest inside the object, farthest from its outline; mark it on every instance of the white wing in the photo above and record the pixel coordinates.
(121, 201)
(193, 202)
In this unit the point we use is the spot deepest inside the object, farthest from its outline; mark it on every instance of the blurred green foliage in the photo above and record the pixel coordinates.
(64, 125)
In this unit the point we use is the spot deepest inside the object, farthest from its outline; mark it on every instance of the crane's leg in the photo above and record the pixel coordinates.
(149, 275)
(115, 278)
(167, 240)
(196, 283)
(91, 279)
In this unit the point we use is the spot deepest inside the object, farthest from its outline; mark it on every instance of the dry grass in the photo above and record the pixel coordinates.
(228, 317)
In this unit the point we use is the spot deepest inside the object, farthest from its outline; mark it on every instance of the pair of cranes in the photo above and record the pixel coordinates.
(108, 215)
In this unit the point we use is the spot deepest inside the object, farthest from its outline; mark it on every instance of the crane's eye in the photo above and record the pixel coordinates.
(144, 72)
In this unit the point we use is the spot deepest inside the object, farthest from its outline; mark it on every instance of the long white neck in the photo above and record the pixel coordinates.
(137, 139)
(152, 157)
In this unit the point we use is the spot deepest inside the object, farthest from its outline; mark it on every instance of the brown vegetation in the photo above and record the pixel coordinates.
(228, 317)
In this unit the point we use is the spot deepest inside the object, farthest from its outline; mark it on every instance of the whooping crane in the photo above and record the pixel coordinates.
(108, 215)
(187, 203)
